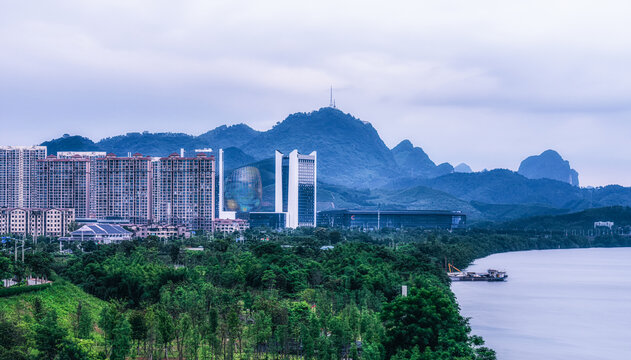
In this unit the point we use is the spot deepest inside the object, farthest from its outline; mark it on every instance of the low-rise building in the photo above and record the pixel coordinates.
(36, 222)
(231, 225)
(395, 219)
(160, 231)
(271, 220)
(100, 233)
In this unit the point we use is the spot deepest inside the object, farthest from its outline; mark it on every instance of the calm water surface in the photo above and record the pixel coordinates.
(556, 304)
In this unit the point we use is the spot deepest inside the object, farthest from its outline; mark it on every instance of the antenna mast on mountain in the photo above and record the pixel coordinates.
(331, 101)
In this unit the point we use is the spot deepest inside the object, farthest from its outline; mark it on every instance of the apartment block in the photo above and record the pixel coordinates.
(123, 188)
(186, 193)
(18, 175)
(91, 156)
(65, 183)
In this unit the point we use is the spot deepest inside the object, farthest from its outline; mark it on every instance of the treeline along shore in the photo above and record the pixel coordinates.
(304, 294)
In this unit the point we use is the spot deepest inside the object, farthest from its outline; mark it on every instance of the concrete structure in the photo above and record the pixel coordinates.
(123, 188)
(607, 224)
(187, 191)
(160, 231)
(231, 225)
(18, 175)
(379, 219)
(100, 233)
(65, 183)
(36, 222)
(91, 156)
(296, 188)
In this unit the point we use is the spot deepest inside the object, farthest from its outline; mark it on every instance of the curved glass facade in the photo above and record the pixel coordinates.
(244, 190)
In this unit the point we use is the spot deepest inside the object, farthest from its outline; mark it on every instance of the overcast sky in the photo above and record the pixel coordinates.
(483, 82)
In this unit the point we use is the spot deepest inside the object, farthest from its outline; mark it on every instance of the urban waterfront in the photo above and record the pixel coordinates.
(556, 304)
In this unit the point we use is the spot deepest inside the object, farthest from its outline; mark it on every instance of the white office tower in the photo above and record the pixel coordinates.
(296, 188)
(18, 175)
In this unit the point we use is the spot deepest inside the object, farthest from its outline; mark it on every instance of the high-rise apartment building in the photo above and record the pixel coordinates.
(65, 183)
(187, 191)
(296, 188)
(123, 188)
(92, 156)
(18, 175)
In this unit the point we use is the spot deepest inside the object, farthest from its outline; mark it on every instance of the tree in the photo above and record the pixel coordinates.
(38, 309)
(117, 331)
(83, 321)
(269, 278)
(6, 269)
(166, 330)
(49, 336)
(121, 343)
(13, 345)
(174, 253)
(69, 350)
(138, 327)
(427, 319)
(89, 246)
(39, 263)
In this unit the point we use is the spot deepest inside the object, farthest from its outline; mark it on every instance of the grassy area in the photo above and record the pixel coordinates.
(62, 296)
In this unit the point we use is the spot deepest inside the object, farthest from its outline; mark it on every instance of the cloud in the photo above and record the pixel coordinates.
(487, 82)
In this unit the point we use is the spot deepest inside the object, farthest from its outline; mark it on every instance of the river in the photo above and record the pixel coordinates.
(556, 304)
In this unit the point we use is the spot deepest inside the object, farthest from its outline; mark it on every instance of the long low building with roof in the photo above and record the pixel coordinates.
(100, 233)
(396, 219)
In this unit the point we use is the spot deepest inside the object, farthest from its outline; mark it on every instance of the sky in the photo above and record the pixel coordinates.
(487, 83)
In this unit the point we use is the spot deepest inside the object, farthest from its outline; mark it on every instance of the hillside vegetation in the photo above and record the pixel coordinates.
(62, 296)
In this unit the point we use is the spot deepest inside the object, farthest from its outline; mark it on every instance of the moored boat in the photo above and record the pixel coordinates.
(490, 275)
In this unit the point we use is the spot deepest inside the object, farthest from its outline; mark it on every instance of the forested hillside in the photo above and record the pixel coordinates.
(307, 294)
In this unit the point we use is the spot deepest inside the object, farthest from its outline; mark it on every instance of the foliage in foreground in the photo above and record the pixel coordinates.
(283, 298)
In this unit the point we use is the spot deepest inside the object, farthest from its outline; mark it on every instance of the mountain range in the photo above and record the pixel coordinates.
(357, 170)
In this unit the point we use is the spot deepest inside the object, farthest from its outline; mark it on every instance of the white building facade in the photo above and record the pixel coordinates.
(296, 188)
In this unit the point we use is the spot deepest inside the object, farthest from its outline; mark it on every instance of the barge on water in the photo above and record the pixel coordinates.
(490, 275)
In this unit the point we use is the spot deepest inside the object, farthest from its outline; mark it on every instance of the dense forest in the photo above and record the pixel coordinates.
(305, 294)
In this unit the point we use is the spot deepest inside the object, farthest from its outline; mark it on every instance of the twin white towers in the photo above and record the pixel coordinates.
(295, 188)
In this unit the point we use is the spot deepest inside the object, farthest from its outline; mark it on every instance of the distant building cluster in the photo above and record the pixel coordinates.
(173, 196)
(167, 196)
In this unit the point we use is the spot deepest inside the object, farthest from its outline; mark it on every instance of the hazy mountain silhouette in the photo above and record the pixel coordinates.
(350, 151)
(357, 170)
(70, 143)
(413, 161)
(462, 168)
(548, 165)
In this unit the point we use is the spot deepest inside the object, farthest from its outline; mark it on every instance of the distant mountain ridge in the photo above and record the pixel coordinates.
(350, 151)
(156, 144)
(356, 168)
